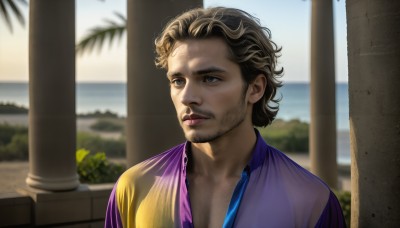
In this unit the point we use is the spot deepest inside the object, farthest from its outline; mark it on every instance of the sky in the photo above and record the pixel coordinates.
(288, 20)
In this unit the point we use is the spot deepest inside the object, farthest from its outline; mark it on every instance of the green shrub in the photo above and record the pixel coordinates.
(8, 131)
(96, 168)
(18, 148)
(107, 125)
(344, 198)
(13, 142)
(11, 108)
(287, 136)
(99, 114)
(111, 147)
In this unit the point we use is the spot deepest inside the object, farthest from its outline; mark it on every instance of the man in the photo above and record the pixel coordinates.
(221, 65)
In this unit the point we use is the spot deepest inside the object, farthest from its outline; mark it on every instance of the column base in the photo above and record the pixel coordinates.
(53, 184)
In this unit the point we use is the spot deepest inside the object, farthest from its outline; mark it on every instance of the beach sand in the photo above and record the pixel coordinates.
(14, 173)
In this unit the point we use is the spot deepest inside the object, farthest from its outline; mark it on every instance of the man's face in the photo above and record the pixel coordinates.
(207, 89)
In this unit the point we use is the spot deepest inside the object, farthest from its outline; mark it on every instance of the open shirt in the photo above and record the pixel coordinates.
(273, 191)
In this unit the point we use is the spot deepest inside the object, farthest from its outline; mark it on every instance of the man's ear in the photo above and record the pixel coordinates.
(257, 88)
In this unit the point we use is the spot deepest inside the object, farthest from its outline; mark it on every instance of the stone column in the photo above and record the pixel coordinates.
(323, 110)
(373, 35)
(152, 125)
(52, 127)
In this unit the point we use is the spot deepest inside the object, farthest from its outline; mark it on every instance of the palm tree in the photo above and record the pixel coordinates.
(98, 35)
(5, 6)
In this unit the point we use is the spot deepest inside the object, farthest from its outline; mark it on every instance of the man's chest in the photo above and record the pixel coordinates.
(210, 200)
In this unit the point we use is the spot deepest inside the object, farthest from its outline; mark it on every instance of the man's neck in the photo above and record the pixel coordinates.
(224, 157)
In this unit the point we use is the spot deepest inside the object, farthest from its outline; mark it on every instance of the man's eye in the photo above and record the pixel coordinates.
(210, 79)
(177, 82)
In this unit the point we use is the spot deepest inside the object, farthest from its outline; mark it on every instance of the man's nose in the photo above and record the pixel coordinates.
(191, 94)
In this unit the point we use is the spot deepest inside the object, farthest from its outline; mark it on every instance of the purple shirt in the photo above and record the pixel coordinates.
(274, 191)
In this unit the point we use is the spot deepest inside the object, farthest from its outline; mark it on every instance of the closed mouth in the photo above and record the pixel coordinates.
(193, 117)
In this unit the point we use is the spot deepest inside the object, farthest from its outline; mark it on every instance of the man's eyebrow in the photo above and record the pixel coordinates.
(173, 74)
(209, 70)
(198, 72)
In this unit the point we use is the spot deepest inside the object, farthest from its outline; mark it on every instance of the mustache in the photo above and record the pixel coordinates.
(197, 111)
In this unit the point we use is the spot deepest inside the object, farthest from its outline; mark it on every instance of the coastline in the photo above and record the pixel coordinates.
(14, 173)
(82, 124)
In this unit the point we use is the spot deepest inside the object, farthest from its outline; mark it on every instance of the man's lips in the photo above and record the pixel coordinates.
(193, 119)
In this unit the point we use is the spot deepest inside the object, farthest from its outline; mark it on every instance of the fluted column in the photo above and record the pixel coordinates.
(323, 110)
(152, 125)
(52, 127)
(373, 34)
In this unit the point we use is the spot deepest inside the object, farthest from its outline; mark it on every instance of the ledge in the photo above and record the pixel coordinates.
(32, 207)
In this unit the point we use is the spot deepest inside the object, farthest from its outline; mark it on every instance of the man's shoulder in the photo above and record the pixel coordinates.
(152, 167)
(296, 177)
(279, 186)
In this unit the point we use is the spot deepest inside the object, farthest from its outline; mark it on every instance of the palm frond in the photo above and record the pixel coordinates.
(98, 35)
(121, 17)
(5, 5)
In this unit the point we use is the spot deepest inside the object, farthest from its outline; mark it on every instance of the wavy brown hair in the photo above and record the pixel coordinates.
(250, 45)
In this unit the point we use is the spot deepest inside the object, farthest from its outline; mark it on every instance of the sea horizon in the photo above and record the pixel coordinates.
(102, 96)
(105, 82)
(112, 96)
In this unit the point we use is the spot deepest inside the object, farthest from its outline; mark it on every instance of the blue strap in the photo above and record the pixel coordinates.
(236, 199)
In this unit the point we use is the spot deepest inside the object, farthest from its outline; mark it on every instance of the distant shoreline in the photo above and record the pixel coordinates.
(22, 120)
(82, 124)
(91, 96)
(13, 173)
(124, 82)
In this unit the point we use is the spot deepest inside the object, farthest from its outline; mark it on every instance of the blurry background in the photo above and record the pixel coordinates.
(101, 73)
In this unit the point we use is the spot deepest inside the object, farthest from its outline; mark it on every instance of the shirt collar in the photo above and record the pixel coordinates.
(258, 154)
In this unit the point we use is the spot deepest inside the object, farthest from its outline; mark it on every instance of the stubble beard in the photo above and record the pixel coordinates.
(231, 119)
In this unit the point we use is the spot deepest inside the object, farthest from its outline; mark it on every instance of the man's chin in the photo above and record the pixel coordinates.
(199, 138)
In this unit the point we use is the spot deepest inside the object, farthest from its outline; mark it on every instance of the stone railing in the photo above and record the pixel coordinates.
(83, 207)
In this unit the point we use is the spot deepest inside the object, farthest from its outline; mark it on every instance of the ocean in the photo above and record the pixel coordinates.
(295, 104)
